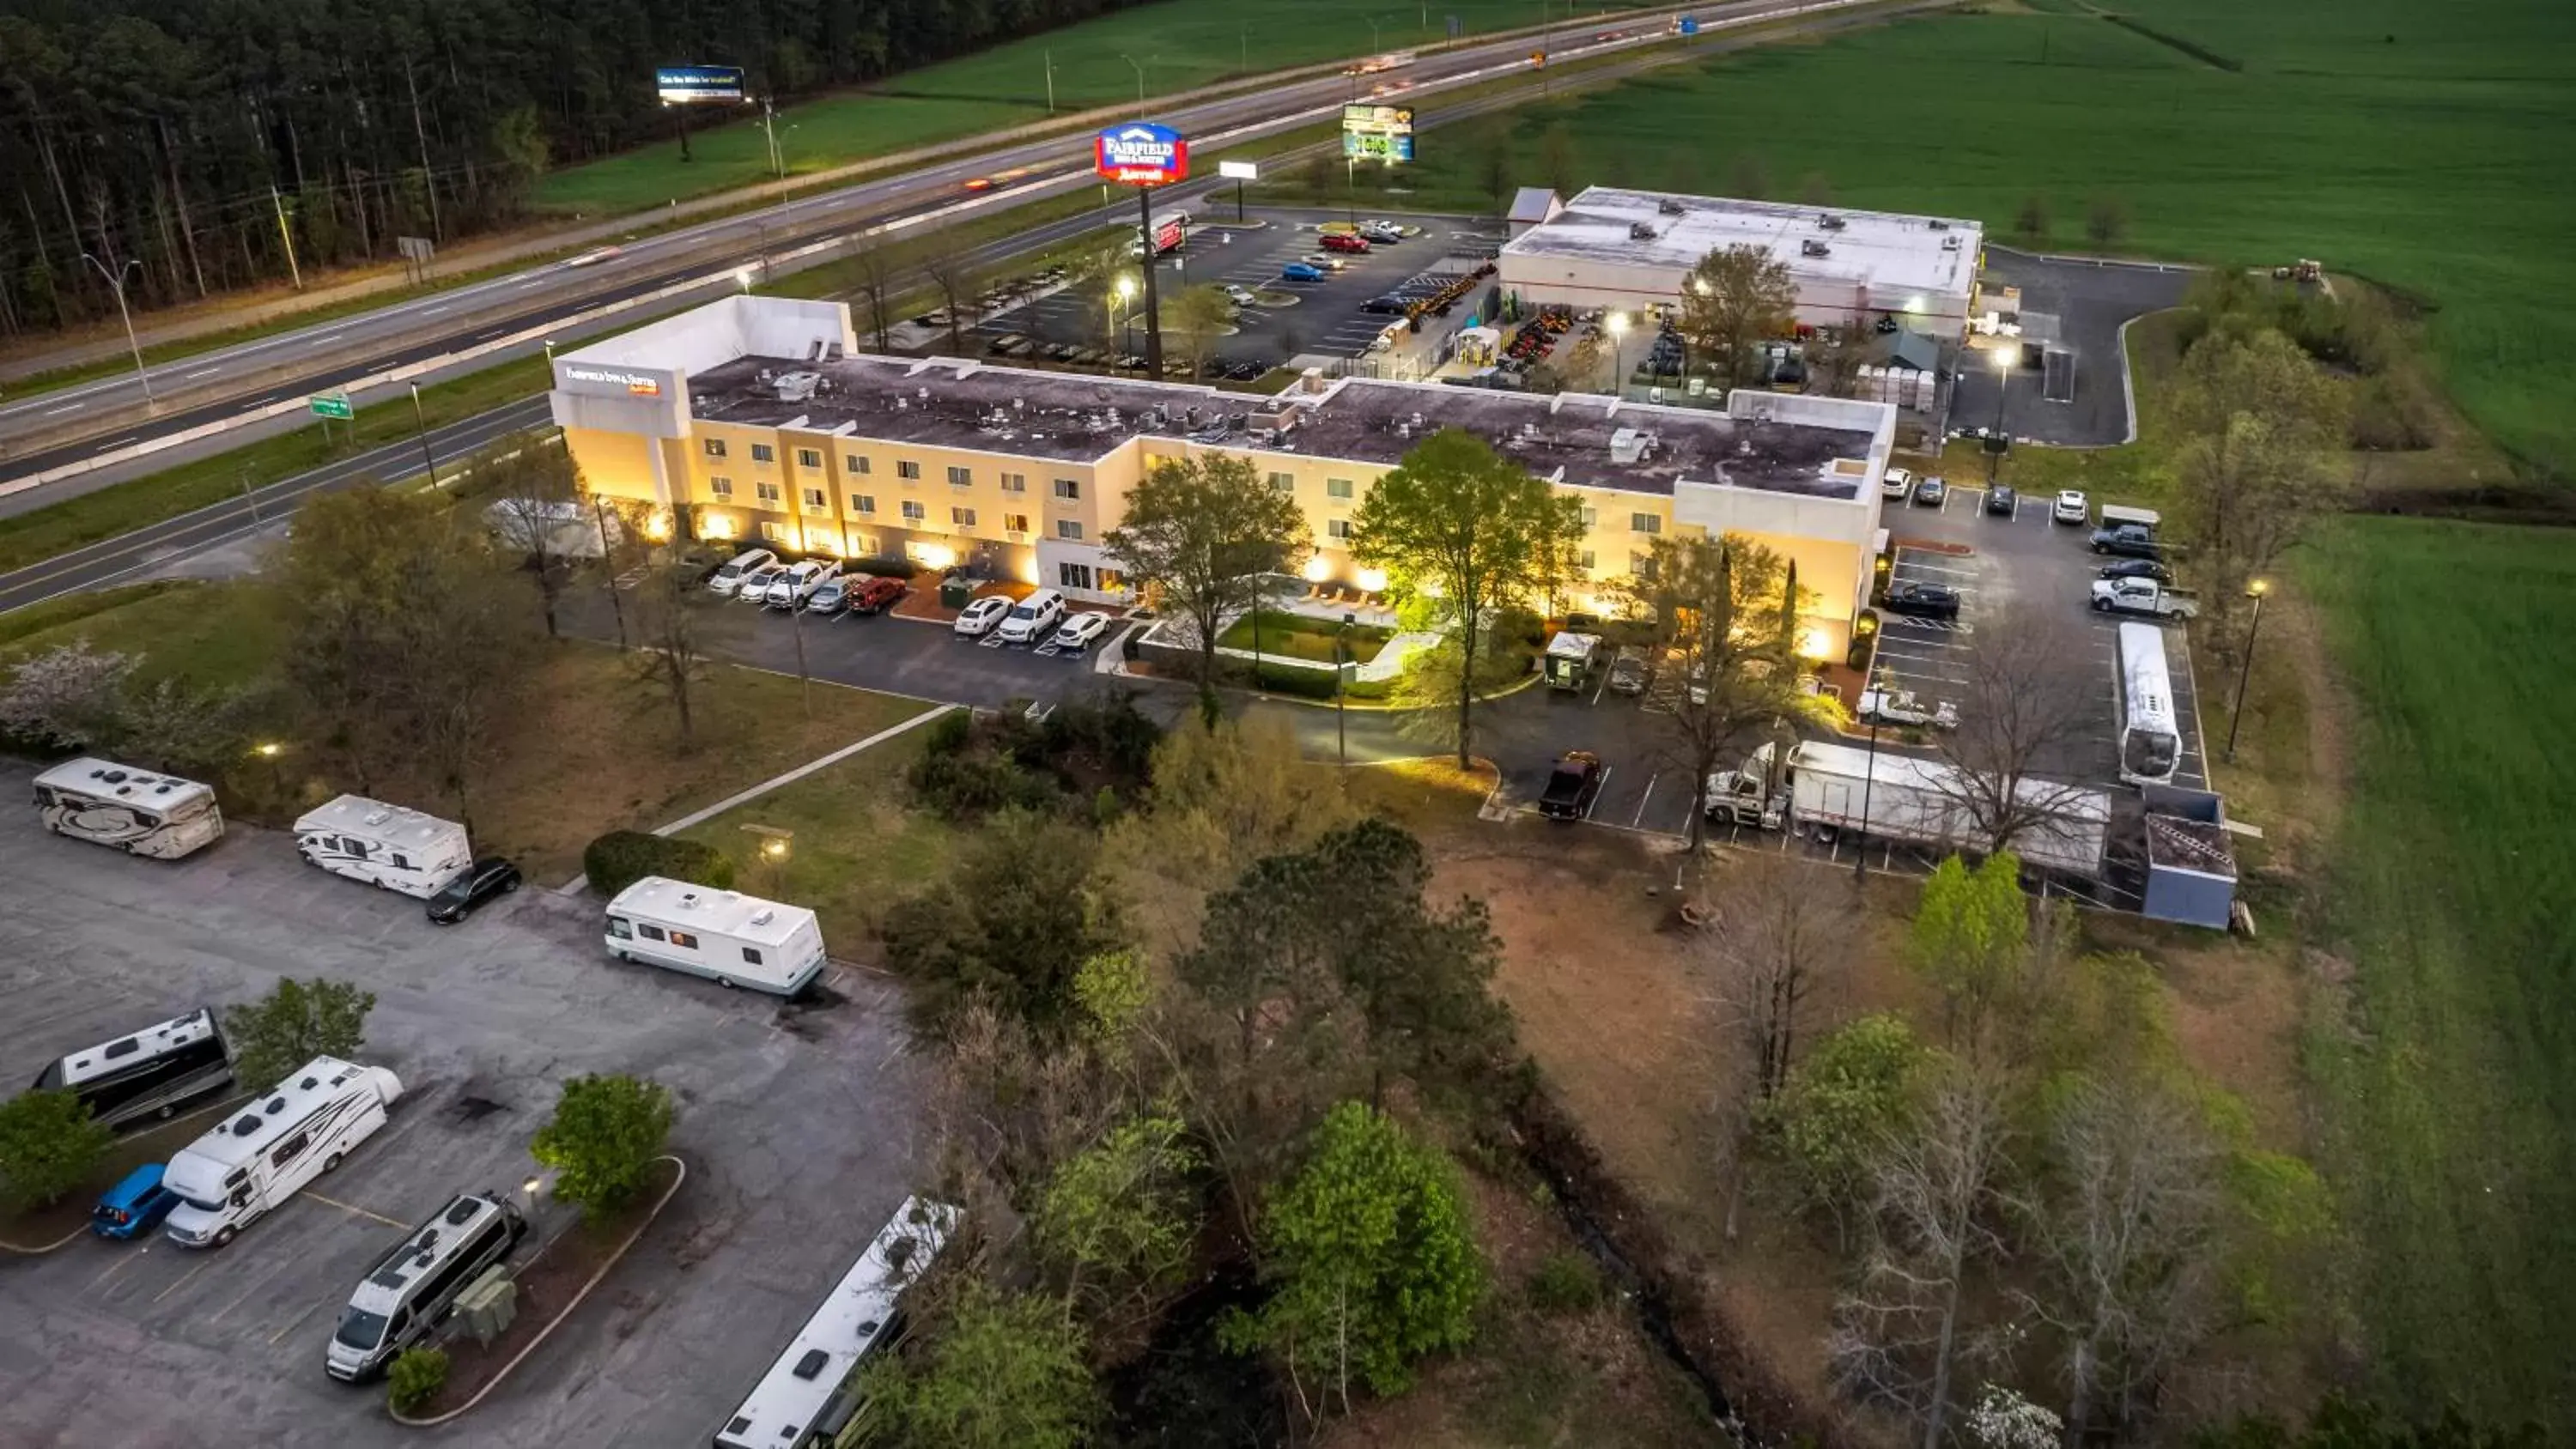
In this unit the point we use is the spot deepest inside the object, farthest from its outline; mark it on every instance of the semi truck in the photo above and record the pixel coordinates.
(1902, 798)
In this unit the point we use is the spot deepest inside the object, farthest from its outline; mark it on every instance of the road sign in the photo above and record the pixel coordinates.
(690, 85)
(1689, 25)
(331, 405)
(1141, 153)
(1239, 170)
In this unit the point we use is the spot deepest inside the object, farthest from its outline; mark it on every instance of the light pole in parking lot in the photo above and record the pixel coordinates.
(1341, 679)
(1618, 354)
(2254, 590)
(1860, 851)
(2002, 358)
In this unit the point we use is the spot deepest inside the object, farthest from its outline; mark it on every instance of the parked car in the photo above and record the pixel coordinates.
(1929, 492)
(1382, 231)
(754, 588)
(1033, 618)
(1385, 306)
(135, 1206)
(1630, 673)
(830, 597)
(1079, 632)
(791, 589)
(1345, 242)
(1902, 708)
(877, 595)
(1897, 484)
(2128, 541)
(1240, 296)
(1301, 272)
(477, 883)
(2071, 507)
(728, 578)
(2138, 568)
(1572, 786)
(2002, 500)
(980, 616)
(1922, 601)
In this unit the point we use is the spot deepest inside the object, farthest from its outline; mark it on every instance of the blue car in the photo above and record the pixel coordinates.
(135, 1206)
(1302, 272)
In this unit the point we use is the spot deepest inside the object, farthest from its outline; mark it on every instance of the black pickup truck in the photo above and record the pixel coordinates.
(1572, 786)
(2128, 541)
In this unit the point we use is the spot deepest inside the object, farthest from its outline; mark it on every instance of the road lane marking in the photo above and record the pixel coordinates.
(201, 372)
(207, 1262)
(348, 1207)
(65, 408)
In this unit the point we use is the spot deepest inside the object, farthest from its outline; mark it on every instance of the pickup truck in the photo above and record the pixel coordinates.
(2128, 541)
(1572, 786)
(2143, 596)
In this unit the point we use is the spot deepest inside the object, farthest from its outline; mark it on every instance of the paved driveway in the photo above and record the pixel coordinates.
(2091, 301)
(797, 1127)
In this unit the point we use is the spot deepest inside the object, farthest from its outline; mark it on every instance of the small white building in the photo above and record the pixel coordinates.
(1612, 247)
(392, 846)
(730, 938)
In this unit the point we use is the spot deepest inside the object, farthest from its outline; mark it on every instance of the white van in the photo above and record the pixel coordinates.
(1033, 618)
(729, 578)
(407, 1293)
(730, 938)
(386, 845)
(264, 1154)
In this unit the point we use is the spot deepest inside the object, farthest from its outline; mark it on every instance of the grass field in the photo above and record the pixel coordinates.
(2448, 1080)
(1180, 44)
(2422, 148)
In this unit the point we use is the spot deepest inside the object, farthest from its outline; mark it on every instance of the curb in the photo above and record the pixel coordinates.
(56, 1246)
(548, 1331)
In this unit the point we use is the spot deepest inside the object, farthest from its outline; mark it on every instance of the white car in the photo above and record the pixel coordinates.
(1079, 632)
(2071, 507)
(981, 616)
(798, 583)
(1897, 484)
(1240, 296)
(727, 579)
(755, 584)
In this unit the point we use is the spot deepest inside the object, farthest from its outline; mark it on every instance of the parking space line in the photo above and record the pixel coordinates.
(256, 1284)
(1637, 821)
(1602, 789)
(183, 1279)
(350, 1207)
(291, 1323)
(123, 1262)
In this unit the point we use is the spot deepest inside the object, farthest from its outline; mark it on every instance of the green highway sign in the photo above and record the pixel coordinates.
(331, 405)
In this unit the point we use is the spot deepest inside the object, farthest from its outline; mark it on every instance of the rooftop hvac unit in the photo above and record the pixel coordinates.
(1830, 222)
(1627, 445)
(1949, 244)
(1937, 224)
(1670, 206)
(1641, 231)
(797, 386)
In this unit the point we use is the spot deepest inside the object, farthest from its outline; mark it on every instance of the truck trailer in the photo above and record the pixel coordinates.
(1917, 801)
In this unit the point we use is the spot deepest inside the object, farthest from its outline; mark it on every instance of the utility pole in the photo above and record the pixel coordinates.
(286, 235)
(116, 284)
(428, 183)
(2245, 667)
(1050, 72)
(1153, 264)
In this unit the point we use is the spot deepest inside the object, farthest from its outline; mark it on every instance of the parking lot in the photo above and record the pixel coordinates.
(796, 1127)
(2082, 304)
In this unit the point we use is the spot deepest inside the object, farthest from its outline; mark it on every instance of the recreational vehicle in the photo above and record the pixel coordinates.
(725, 936)
(265, 1153)
(806, 1398)
(406, 1295)
(138, 812)
(387, 845)
(149, 1074)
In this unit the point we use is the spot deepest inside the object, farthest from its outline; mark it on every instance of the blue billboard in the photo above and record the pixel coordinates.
(1141, 153)
(688, 85)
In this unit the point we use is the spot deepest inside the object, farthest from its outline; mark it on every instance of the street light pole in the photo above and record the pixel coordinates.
(1341, 676)
(1618, 354)
(2003, 389)
(420, 420)
(1140, 78)
(2245, 668)
(1860, 852)
(116, 284)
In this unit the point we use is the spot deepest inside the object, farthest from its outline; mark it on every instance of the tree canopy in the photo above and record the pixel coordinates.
(1202, 535)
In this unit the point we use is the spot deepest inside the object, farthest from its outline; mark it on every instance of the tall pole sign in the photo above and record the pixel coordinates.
(1144, 156)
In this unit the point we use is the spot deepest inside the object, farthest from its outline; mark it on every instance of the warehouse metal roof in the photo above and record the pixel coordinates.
(1662, 230)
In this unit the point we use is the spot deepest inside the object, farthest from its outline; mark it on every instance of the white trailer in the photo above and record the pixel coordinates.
(138, 812)
(730, 938)
(264, 1154)
(1905, 798)
(388, 845)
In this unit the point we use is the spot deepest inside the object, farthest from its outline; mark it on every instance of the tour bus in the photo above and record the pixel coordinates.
(140, 813)
(730, 938)
(406, 1295)
(149, 1074)
(392, 846)
(807, 1398)
(2150, 743)
(264, 1154)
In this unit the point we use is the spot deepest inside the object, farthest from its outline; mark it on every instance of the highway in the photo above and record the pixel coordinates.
(69, 431)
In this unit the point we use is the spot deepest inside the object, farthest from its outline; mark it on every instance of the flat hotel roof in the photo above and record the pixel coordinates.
(1881, 249)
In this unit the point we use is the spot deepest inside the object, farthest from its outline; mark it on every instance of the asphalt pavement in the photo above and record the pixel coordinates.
(2093, 301)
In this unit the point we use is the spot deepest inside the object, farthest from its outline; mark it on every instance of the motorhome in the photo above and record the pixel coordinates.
(138, 812)
(406, 1295)
(730, 938)
(387, 845)
(264, 1154)
(807, 1398)
(149, 1074)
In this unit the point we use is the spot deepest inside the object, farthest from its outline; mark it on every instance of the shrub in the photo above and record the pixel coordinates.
(1565, 1282)
(884, 568)
(622, 857)
(1312, 683)
(603, 1138)
(48, 1146)
(417, 1376)
(970, 784)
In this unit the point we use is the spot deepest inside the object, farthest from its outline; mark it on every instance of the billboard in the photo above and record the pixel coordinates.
(689, 85)
(1377, 133)
(1141, 154)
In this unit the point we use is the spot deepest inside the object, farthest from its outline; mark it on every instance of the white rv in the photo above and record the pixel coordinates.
(138, 812)
(387, 845)
(265, 1153)
(730, 938)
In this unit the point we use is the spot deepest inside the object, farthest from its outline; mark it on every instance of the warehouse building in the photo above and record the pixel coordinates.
(757, 419)
(1633, 250)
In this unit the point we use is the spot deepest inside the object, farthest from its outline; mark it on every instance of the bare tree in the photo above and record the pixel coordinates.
(1839, 353)
(1775, 938)
(2261, 425)
(541, 511)
(1200, 315)
(1904, 1336)
(2027, 694)
(461, 662)
(874, 263)
(956, 281)
(1734, 298)
(670, 658)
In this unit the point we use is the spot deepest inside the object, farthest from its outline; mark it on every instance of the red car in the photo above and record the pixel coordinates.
(1344, 242)
(878, 595)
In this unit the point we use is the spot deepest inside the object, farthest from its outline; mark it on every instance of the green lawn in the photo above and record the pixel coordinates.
(2434, 162)
(217, 636)
(1299, 637)
(1181, 44)
(2449, 1090)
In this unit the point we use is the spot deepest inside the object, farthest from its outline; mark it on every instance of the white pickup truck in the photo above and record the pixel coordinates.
(2143, 596)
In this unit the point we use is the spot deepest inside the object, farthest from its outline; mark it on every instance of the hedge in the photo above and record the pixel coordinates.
(1311, 683)
(622, 857)
(884, 568)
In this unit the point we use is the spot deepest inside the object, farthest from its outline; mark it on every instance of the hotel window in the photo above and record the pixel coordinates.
(1066, 528)
(1337, 528)
(1073, 576)
(715, 447)
(863, 543)
(768, 491)
(763, 453)
(815, 502)
(1015, 482)
(907, 470)
(1588, 565)
(862, 503)
(1284, 482)
(1645, 523)
(1642, 565)
(1015, 523)
(855, 463)
(774, 532)
(962, 517)
(960, 477)
(1112, 582)
(913, 512)
(809, 458)
(1591, 515)
(1337, 487)
(1068, 488)
(720, 487)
